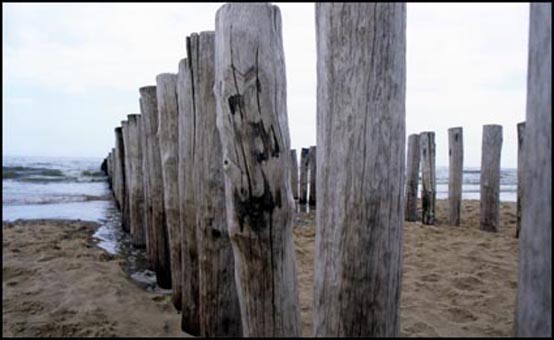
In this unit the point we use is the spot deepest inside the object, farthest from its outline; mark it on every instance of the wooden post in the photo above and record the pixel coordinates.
(455, 174)
(304, 166)
(190, 309)
(253, 125)
(168, 134)
(294, 174)
(490, 177)
(156, 202)
(412, 177)
(534, 298)
(520, 172)
(428, 182)
(218, 305)
(147, 206)
(361, 75)
(119, 169)
(135, 185)
(125, 213)
(313, 171)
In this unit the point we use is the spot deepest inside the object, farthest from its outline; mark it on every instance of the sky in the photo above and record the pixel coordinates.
(71, 72)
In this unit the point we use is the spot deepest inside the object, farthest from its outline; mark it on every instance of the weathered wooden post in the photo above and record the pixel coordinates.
(490, 177)
(125, 213)
(428, 181)
(156, 202)
(147, 207)
(218, 301)
(412, 177)
(520, 172)
(455, 174)
(135, 186)
(119, 170)
(313, 172)
(304, 166)
(294, 174)
(361, 74)
(190, 311)
(253, 125)
(534, 299)
(168, 134)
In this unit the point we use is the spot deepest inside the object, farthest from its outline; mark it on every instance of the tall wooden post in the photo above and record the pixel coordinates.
(218, 301)
(156, 202)
(168, 134)
(428, 180)
(490, 178)
(361, 74)
(534, 298)
(313, 172)
(136, 186)
(304, 166)
(412, 177)
(520, 172)
(187, 121)
(253, 125)
(125, 214)
(455, 174)
(294, 174)
(119, 176)
(147, 206)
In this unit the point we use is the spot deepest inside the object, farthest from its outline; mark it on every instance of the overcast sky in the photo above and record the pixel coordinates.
(71, 72)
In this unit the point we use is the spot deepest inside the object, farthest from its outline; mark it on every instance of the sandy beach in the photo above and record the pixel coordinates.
(457, 281)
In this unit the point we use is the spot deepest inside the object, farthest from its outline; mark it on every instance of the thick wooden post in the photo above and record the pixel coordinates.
(156, 202)
(125, 214)
(147, 206)
(294, 174)
(135, 185)
(304, 167)
(361, 74)
(313, 172)
(534, 299)
(428, 181)
(412, 177)
(168, 134)
(218, 301)
(253, 125)
(455, 174)
(490, 178)
(520, 167)
(190, 308)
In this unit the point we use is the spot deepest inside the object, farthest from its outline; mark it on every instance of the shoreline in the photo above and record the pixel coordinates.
(457, 281)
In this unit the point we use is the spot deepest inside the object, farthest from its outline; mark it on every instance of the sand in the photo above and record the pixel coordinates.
(457, 281)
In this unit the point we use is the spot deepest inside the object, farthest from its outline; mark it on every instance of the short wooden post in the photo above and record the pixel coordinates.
(313, 171)
(455, 174)
(147, 206)
(490, 177)
(304, 168)
(168, 134)
(125, 213)
(136, 186)
(361, 74)
(190, 309)
(294, 174)
(520, 172)
(218, 300)
(156, 202)
(534, 298)
(412, 177)
(428, 181)
(253, 125)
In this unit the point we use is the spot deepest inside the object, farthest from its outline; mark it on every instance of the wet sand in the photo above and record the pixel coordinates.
(457, 281)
